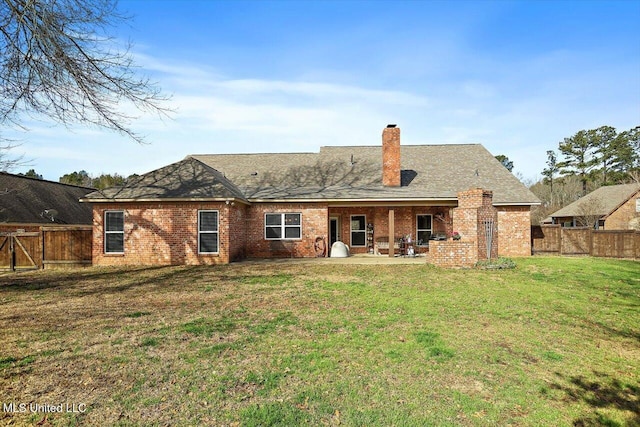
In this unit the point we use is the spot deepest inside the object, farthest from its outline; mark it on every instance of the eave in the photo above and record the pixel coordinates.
(407, 201)
(366, 202)
(517, 204)
(166, 200)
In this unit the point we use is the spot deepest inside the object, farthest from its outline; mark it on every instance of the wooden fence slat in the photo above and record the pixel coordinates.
(25, 251)
(50, 245)
(68, 245)
(585, 241)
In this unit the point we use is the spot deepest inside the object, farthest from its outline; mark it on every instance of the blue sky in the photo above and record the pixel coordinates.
(290, 76)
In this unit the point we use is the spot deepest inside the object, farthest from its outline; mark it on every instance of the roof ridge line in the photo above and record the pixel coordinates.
(252, 154)
(46, 180)
(220, 175)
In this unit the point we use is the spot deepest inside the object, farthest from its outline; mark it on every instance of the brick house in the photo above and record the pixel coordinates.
(612, 207)
(209, 209)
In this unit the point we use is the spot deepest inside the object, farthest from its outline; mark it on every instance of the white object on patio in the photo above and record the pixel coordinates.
(339, 250)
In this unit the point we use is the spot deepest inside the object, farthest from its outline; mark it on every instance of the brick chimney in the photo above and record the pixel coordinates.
(391, 156)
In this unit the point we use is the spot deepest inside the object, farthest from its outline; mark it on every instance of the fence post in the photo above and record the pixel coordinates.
(12, 253)
(42, 243)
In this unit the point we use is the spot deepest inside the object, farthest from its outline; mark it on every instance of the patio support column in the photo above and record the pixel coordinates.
(391, 232)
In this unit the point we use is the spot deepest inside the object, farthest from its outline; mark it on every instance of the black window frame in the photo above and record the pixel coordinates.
(202, 233)
(278, 230)
(109, 231)
(418, 229)
(363, 231)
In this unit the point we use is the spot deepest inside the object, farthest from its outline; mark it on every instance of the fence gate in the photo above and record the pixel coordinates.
(19, 250)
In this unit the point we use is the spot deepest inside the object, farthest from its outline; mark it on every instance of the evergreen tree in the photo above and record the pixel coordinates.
(505, 162)
(80, 179)
(578, 152)
(550, 171)
(31, 173)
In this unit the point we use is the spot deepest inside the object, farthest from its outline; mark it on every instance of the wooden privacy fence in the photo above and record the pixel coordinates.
(585, 241)
(45, 247)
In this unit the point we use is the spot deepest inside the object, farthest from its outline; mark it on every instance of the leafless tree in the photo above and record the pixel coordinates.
(8, 162)
(565, 190)
(589, 213)
(57, 60)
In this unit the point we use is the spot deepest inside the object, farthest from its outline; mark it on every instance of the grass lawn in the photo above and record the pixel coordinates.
(555, 341)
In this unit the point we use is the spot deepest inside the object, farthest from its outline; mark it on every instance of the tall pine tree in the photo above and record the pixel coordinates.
(578, 152)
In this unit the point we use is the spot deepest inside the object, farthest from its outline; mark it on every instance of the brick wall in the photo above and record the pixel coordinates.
(391, 157)
(453, 253)
(163, 234)
(166, 233)
(619, 220)
(315, 223)
(511, 231)
(514, 225)
(475, 209)
(238, 238)
(488, 228)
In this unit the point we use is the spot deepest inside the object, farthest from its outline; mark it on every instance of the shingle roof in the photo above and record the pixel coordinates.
(355, 172)
(604, 199)
(23, 200)
(186, 179)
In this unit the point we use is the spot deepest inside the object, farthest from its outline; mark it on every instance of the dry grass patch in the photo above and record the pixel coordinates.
(554, 341)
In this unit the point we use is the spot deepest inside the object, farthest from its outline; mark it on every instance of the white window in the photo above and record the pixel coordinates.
(114, 232)
(424, 227)
(208, 232)
(283, 226)
(358, 230)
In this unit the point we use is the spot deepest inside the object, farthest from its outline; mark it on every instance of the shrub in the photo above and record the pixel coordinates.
(496, 264)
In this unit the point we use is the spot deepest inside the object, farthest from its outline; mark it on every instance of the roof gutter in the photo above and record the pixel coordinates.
(517, 204)
(361, 202)
(166, 200)
(410, 201)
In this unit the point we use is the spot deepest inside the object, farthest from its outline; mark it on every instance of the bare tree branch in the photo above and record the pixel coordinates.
(7, 162)
(58, 61)
(589, 213)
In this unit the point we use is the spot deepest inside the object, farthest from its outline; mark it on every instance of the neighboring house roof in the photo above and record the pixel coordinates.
(25, 200)
(436, 172)
(602, 201)
(188, 179)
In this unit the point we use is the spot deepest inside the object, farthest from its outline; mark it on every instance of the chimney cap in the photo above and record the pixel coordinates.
(391, 125)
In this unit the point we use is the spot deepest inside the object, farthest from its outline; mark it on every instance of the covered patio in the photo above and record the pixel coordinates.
(456, 235)
(370, 229)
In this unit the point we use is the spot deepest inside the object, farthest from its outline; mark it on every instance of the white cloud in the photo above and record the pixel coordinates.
(520, 110)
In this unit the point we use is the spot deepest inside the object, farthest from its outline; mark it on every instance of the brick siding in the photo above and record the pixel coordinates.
(453, 253)
(391, 157)
(315, 223)
(474, 209)
(620, 218)
(514, 223)
(166, 233)
(511, 231)
(163, 234)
